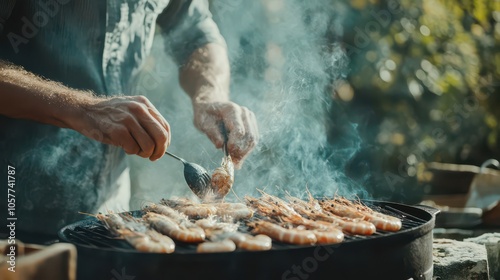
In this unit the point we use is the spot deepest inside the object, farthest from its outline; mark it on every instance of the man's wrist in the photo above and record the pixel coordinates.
(210, 95)
(73, 108)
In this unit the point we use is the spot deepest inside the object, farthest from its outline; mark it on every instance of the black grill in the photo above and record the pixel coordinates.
(92, 233)
(404, 254)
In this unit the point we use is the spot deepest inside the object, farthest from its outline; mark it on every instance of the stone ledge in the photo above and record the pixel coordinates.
(457, 260)
(492, 243)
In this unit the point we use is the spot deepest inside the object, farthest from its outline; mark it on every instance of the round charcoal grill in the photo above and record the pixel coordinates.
(404, 254)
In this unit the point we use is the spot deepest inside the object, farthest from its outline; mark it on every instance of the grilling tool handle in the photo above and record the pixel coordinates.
(224, 134)
(176, 157)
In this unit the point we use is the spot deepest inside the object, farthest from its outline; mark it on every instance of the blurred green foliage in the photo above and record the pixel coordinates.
(423, 85)
(424, 78)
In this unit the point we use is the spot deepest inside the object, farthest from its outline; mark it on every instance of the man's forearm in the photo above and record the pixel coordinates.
(206, 75)
(130, 122)
(205, 78)
(26, 96)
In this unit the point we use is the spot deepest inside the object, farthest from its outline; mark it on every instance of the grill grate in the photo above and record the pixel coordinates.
(93, 234)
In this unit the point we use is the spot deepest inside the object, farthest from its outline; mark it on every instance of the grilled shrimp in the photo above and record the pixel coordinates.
(190, 208)
(272, 210)
(197, 211)
(225, 245)
(149, 241)
(168, 226)
(164, 210)
(313, 211)
(237, 211)
(223, 178)
(329, 236)
(279, 233)
(340, 210)
(251, 243)
(381, 221)
(176, 202)
(214, 228)
(113, 222)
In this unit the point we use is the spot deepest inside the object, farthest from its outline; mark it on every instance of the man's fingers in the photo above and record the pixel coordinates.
(162, 122)
(127, 142)
(146, 144)
(211, 128)
(250, 138)
(235, 129)
(151, 125)
(155, 113)
(159, 135)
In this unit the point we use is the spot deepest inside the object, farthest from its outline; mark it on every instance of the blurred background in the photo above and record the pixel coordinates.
(353, 97)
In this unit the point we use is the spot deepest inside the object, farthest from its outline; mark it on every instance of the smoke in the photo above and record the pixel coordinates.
(283, 66)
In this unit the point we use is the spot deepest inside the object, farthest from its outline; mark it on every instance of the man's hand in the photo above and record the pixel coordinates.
(239, 123)
(132, 123)
(205, 78)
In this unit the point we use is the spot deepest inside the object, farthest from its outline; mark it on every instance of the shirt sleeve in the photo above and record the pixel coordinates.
(6, 7)
(188, 25)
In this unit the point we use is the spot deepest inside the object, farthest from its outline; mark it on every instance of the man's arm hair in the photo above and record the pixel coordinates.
(130, 122)
(25, 95)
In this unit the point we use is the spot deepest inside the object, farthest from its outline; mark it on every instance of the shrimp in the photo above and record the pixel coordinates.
(217, 231)
(251, 243)
(164, 210)
(223, 178)
(225, 245)
(340, 210)
(198, 210)
(113, 222)
(272, 210)
(149, 241)
(214, 228)
(330, 236)
(313, 210)
(279, 233)
(237, 211)
(176, 202)
(379, 220)
(167, 226)
(136, 233)
(291, 216)
(288, 214)
(189, 208)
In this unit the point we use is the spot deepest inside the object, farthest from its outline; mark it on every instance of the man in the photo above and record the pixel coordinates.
(63, 130)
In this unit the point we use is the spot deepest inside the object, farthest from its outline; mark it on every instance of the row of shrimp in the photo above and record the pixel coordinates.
(195, 210)
(316, 221)
(226, 236)
(356, 210)
(212, 233)
(289, 226)
(136, 233)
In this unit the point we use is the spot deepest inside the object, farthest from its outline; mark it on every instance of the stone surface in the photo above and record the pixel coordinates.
(457, 260)
(492, 243)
